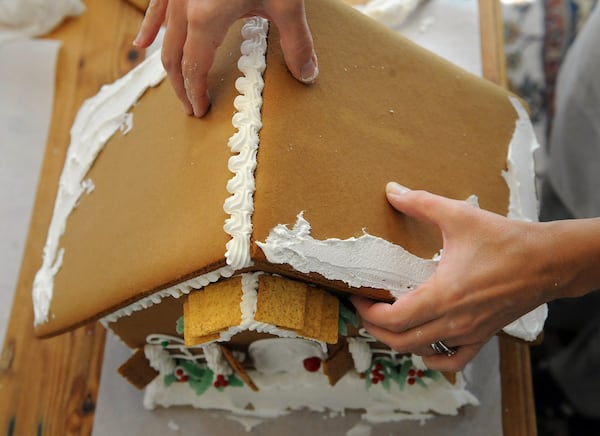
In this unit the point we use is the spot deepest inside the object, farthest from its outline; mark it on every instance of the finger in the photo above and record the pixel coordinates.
(153, 19)
(464, 354)
(207, 28)
(416, 340)
(172, 50)
(422, 205)
(295, 39)
(408, 311)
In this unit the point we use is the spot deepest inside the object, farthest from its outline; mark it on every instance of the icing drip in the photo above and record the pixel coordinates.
(245, 143)
(97, 120)
(215, 360)
(361, 353)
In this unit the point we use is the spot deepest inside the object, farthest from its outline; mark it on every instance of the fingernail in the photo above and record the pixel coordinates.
(310, 70)
(136, 41)
(396, 188)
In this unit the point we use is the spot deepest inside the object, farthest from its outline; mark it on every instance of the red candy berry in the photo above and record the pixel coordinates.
(378, 366)
(420, 373)
(411, 372)
(374, 380)
(312, 364)
(411, 381)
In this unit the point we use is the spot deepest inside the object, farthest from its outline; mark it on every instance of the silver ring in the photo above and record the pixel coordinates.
(440, 348)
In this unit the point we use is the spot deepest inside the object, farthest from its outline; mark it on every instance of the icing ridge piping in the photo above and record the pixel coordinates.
(244, 143)
(174, 291)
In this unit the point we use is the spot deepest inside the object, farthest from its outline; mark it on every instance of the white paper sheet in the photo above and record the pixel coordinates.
(27, 72)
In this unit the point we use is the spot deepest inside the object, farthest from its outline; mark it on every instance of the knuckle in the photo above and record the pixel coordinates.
(168, 61)
(202, 13)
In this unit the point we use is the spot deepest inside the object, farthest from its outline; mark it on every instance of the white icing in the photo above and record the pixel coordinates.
(97, 120)
(520, 173)
(281, 392)
(271, 356)
(365, 261)
(215, 359)
(361, 353)
(244, 142)
(174, 291)
(159, 358)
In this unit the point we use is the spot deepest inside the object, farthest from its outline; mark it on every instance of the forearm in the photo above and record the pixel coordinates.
(574, 256)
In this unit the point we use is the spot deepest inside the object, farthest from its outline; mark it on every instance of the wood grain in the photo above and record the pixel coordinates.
(50, 387)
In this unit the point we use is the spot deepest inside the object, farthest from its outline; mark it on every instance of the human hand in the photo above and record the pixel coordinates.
(492, 271)
(196, 28)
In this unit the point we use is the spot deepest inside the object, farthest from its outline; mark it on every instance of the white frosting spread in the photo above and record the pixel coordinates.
(247, 120)
(365, 261)
(97, 120)
(520, 173)
(271, 356)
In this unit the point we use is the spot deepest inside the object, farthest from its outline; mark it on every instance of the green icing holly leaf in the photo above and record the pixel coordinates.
(420, 382)
(234, 381)
(347, 316)
(179, 326)
(169, 379)
(403, 373)
(433, 375)
(195, 371)
(200, 386)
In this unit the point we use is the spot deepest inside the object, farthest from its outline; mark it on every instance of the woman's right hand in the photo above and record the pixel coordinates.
(196, 28)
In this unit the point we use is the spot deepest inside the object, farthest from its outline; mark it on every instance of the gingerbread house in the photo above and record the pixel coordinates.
(215, 247)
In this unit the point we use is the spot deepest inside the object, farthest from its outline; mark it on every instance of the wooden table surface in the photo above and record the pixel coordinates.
(49, 387)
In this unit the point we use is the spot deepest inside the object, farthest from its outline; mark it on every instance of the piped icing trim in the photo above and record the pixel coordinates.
(244, 142)
(174, 291)
(97, 120)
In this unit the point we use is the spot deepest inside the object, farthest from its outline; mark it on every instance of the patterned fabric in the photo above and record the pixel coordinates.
(537, 34)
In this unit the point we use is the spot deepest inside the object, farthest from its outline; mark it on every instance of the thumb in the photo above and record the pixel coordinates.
(296, 41)
(421, 205)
